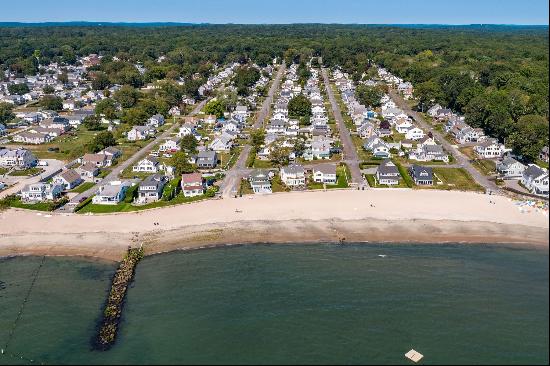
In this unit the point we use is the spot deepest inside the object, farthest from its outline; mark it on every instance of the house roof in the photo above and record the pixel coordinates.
(325, 168)
(293, 169)
(88, 166)
(421, 172)
(70, 176)
(534, 171)
(94, 157)
(387, 167)
(156, 180)
(191, 178)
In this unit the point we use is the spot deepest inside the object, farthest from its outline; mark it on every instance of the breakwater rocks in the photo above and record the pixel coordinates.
(108, 326)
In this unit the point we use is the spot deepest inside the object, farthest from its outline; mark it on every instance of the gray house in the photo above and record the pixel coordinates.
(151, 188)
(510, 168)
(421, 175)
(206, 159)
(387, 173)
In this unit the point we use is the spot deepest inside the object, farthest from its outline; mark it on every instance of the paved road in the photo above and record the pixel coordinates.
(233, 176)
(349, 152)
(113, 175)
(266, 105)
(19, 182)
(461, 159)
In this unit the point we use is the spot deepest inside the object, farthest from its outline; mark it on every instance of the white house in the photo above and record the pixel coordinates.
(222, 143)
(293, 175)
(68, 179)
(186, 129)
(156, 121)
(18, 158)
(414, 133)
(325, 173)
(490, 149)
(535, 179)
(260, 181)
(191, 184)
(170, 145)
(39, 192)
(111, 193)
(510, 168)
(140, 133)
(378, 147)
(148, 165)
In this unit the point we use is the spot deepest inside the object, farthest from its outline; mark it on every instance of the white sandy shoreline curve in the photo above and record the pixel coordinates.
(388, 216)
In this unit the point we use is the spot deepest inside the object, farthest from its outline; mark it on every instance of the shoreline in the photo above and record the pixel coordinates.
(235, 234)
(316, 217)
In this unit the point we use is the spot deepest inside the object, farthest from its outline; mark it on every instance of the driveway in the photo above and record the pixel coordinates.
(349, 151)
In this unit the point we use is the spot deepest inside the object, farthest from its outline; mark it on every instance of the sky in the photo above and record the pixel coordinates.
(280, 11)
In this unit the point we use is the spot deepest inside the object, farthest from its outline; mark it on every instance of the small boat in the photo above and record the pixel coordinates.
(414, 356)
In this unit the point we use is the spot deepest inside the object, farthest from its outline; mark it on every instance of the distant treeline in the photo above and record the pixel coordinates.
(496, 75)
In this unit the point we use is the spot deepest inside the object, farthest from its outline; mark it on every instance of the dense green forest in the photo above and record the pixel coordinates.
(496, 75)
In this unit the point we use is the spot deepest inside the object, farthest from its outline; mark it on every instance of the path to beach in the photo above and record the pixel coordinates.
(391, 215)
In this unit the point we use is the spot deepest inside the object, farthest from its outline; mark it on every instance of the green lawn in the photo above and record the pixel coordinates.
(26, 172)
(83, 187)
(455, 178)
(541, 163)
(245, 187)
(128, 207)
(277, 185)
(13, 201)
(487, 167)
(342, 175)
(262, 164)
(233, 157)
(70, 145)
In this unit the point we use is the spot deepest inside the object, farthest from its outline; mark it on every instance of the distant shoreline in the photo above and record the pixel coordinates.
(385, 216)
(83, 23)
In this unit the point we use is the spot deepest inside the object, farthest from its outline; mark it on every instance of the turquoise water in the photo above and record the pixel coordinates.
(288, 304)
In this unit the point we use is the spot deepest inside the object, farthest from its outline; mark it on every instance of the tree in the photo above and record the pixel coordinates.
(257, 139)
(214, 107)
(181, 163)
(18, 89)
(100, 81)
(92, 123)
(279, 155)
(127, 96)
(48, 89)
(52, 103)
(63, 77)
(299, 146)
(189, 143)
(134, 116)
(369, 95)
(299, 106)
(6, 112)
(529, 137)
(427, 93)
(101, 141)
(106, 107)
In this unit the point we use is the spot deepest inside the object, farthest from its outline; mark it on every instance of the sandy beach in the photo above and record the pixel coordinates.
(393, 216)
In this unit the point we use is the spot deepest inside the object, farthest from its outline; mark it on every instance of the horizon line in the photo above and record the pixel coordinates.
(294, 23)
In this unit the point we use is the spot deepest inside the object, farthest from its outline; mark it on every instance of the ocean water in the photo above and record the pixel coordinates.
(266, 304)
